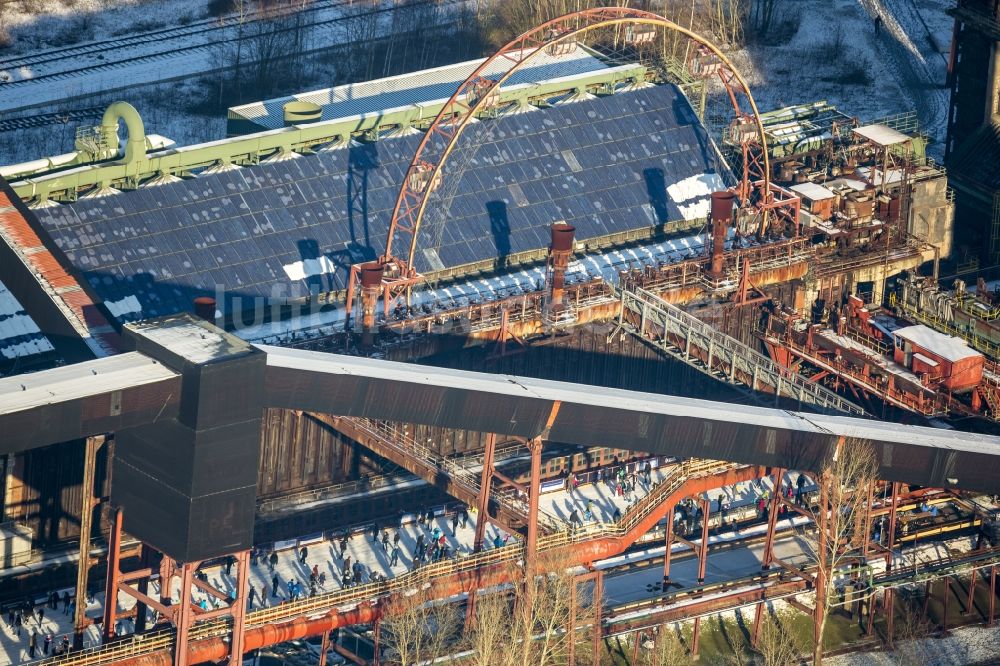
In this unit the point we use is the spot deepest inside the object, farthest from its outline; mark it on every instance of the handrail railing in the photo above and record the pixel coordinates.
(392, 435)
(724, 349)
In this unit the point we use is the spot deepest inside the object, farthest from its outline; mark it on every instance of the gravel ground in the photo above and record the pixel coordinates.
(972, 645)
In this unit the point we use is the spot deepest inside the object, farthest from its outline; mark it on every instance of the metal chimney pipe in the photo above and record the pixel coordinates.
(560, 251)
(204, 308)
(722, 217)
(371, 283)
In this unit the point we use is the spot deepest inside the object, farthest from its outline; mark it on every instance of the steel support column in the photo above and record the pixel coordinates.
(324, 647)
(183, 616)
(377, 644)
(772, 520)
(598, 607)
(531, 542)
(143, 585)
(969, 607)
(239, 608)
(111, 583)
(993, 594)
(485, 485)
(87, 506)
(706, 509)
(758, 615)
(887, 597)
(890, 615)
(482, 512)
(947, 598)
(669, 542)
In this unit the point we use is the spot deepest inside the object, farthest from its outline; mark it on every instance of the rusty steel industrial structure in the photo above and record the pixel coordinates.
(477, 92)
(163, 386)
(535, 411)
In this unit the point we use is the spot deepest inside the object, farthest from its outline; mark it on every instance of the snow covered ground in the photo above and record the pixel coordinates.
(172, 52)
(828, 50)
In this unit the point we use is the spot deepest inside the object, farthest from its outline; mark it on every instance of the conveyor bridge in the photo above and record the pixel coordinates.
(692, 341)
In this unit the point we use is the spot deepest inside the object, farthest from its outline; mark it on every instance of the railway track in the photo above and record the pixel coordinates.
(201, 28)
(198, 40)
(55, 118)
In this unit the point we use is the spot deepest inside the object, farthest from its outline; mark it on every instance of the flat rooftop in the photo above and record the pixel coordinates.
(439, 83)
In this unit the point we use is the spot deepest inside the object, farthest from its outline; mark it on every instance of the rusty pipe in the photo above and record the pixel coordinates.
(371, 283)
(722, 218)
(560, 251)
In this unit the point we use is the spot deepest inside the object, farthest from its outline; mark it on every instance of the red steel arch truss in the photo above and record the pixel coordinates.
(477, 93)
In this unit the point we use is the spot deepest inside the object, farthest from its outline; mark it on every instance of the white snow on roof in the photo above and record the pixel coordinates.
(875, 175)
(812, 191)
(300, 270)
(691, 194)
(947, 347)
(882, 135)
(19, 334)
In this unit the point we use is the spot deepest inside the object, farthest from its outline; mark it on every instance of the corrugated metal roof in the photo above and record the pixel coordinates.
(882, 135)
(947, 347)
(270, 232)
(591, 415)
(414, 88)
(812, 191)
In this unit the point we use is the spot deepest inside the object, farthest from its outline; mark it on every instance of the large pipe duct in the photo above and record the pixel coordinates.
(135, 146)
(722, 218)
(560, 251)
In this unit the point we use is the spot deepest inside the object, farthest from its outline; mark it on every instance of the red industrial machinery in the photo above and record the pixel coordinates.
(874, 354)
(757, 196)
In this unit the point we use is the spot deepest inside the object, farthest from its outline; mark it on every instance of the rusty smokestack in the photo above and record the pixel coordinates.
(722, 218)
(204, 308)
(560, 251)
(371, 282)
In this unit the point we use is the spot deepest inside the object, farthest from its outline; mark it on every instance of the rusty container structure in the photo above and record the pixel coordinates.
(938, 358)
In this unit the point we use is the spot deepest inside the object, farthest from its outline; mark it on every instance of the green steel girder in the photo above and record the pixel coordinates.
(137, 166)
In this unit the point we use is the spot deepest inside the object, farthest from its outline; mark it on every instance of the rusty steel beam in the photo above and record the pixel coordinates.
(114, 571)
(425, 469)
(88, 504)
(217, 648)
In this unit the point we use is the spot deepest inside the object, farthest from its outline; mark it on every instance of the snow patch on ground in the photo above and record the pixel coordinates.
(831, 52)
(46, 24)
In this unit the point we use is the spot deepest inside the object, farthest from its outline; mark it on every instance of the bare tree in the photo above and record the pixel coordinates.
(529, 624)
(837, 515)
(776, 645)
(909, 627)
(417, 628)
(665, 647)
(763, 13)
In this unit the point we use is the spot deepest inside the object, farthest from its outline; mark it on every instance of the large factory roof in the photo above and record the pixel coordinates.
(20, 337)
(632, 160)
(357, 99)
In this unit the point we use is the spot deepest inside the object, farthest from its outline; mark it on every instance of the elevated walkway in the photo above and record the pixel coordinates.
(458, 478)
